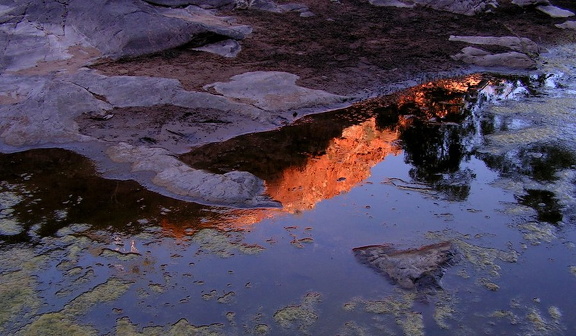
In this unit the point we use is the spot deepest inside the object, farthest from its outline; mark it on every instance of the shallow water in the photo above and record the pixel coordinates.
(485, 162)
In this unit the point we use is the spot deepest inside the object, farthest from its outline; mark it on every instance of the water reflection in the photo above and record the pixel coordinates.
(437, 125)
(45, 190)
(321, 156)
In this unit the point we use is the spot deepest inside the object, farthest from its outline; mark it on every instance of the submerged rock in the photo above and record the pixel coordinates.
(414, 268)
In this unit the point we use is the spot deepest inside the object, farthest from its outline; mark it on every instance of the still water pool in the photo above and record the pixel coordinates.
(483, 165)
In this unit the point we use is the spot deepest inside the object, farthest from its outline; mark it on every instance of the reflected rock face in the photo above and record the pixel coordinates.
(346, 162)
(419, 268)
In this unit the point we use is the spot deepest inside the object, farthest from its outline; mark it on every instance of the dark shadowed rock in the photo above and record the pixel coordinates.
(415, 268)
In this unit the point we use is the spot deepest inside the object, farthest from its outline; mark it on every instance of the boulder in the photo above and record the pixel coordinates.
(419, 268)
(513, 59)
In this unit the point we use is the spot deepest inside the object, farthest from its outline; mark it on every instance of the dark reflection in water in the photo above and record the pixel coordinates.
(540, 162)
(62, 188)
(545, 203)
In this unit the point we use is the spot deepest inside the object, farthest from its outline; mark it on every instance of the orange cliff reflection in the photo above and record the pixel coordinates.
(347, 159)
(347, 162)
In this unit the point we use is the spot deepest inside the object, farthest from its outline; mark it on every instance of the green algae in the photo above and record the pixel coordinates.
(300, 316)
(124, 327)
(506, 314)
(537, 232)
(555, 313)
(227, 298)
(444, 309)
(8, 224)
(122, 256)
(57, 324)
(400, 308)
(485, 258)
(261, 329)
(412, 324)
(157, 288)
(17, 296)
(108, 291)
(223, 244)
(489, 285)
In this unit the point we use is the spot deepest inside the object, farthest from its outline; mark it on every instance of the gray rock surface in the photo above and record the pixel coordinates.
(524, 3)
(466, 7)
(567, 25)
(272, 91)
(33, 32)
(524, 45)
(416, 268)
(555, 12)
(513, 59)
(200, 3)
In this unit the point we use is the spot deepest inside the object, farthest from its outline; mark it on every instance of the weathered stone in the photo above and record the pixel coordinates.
(524, 45)
(273, 91)
(567, 25)
(513, 59)
(555, 12)
(416, 268)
